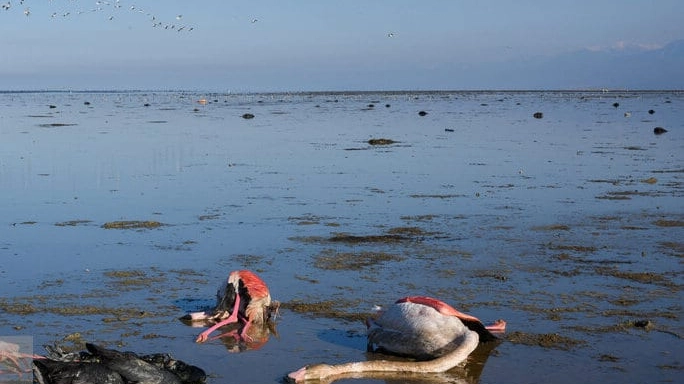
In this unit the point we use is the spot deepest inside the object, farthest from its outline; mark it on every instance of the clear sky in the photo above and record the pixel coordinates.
(299, 45)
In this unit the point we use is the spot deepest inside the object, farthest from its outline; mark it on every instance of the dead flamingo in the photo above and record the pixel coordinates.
(419, 327)
(243, 297)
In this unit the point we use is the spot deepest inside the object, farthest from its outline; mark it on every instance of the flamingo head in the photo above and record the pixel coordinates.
(225, 297)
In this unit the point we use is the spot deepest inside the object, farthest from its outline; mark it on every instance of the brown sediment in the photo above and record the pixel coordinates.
(673, 247)
(209, 217)
(52, 125)
(133, 278)
(613, 197)
(408, 231)
(131, 224)
(19, 306)
(627, 195)
(669, 223)
(72, 223)
(352, 239)
(576, 248)
(551, 227)
(353, 261)
(639, 277)
(544, 340)
(419, 217)
(430, 196)
(251, 261)
(332, 309)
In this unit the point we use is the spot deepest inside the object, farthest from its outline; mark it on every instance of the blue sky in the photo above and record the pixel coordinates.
(304, 45)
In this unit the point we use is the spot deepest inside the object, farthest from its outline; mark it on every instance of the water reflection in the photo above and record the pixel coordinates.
(231, 336)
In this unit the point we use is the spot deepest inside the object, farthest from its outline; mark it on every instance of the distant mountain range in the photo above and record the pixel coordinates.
(625, 68)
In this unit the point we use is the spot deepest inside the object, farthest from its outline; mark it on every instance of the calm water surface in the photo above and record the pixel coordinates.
(570, 227)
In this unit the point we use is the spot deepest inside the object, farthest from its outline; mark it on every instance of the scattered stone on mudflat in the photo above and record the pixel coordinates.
(248, 116)
(659, 130)
(538, 115)
(422, 113)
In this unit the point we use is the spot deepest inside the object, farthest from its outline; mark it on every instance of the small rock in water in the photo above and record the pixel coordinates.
(381, 141)
(248, 116)
(616, 105)
(659, 130)
(448, 130)
(422, 113)
(650, 111)
(538, 115)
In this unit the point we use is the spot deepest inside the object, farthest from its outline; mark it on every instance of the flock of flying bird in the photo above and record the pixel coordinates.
(435, 336)
(116, 6)
(111, 7)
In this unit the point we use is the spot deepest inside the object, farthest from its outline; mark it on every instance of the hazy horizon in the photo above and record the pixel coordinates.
(358, 46)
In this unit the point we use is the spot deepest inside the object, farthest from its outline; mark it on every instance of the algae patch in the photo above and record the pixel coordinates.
(544, 340)
(332, 309)
(352, 261)
(132, 224)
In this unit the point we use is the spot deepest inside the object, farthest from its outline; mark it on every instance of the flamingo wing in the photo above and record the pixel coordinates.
(414, 329)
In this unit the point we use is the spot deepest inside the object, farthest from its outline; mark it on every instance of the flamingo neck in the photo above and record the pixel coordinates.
(441, 364)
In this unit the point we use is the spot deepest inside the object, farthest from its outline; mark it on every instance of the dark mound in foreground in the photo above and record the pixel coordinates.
(109, 366)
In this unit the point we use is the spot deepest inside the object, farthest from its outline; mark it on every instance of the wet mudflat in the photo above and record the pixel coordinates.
(123, 214)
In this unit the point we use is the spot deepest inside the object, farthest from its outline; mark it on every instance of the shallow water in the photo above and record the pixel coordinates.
(570, 225)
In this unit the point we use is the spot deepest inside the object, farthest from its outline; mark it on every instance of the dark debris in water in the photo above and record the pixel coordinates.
(54, 125)
(353, 239)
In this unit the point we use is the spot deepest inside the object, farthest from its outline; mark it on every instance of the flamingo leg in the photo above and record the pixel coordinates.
(233, 318)
(243, 333)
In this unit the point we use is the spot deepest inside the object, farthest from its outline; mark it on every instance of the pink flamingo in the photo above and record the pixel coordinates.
(243, 297)
(419, 327)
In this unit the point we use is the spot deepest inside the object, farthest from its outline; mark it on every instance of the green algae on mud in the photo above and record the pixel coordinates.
(331, 309)
(121, 287)
(72, 223)
(381, 141)
(544, 340)
(392, 236)
(131, 224)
